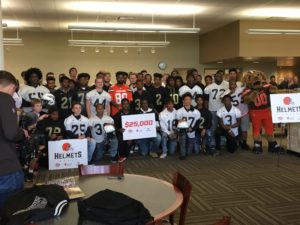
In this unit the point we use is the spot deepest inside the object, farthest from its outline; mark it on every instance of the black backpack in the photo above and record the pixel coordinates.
(113, 208)
(34, 204)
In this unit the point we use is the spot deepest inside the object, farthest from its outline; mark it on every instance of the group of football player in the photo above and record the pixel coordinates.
(191, 116)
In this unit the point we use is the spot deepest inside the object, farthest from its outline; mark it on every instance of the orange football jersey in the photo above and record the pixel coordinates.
(118, 93)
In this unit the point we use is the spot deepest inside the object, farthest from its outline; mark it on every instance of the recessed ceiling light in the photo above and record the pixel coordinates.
(256, 62)
(220, 62)
(125, 50)
(111, 50)
(153, 51)
(134, 7)
(139, 51)
(82, 50)
(273, 12)
(97, 50)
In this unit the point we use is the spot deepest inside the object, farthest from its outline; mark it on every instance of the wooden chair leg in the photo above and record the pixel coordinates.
(171, 219)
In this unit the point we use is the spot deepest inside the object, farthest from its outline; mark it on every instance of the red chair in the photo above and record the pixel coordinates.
(185, 186)
(224, 221)
(108, 170)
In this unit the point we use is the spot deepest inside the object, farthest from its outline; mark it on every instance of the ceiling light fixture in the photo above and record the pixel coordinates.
(134, 8)
(273, 31)
(153, 51)
(97, 50)
(273, 12)
(108, 43)
(82, 50)
(13, 41)
(134, 29)
(126, 50)
(139, 51)
(111, 50)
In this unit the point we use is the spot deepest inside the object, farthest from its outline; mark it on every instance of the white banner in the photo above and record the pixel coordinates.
(285, 108)
(67, 154)
(139, 126)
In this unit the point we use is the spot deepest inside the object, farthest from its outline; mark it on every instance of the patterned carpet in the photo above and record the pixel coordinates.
(252, 189)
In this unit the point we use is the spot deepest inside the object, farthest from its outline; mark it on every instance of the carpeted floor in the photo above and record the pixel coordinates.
(252, 189)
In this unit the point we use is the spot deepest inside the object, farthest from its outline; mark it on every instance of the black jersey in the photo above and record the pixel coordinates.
(137, 99)
(49, 127)
(81, 98)
(64, 102)
(173, 94)
(205, 119)
(158, 96)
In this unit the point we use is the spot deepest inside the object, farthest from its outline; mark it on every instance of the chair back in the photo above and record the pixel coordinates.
(185, 186)
(108, 170)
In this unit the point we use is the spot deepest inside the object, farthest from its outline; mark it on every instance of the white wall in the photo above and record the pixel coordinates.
(50, 52)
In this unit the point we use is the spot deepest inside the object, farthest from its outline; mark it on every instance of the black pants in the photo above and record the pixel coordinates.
(123, 147)
(231, 142)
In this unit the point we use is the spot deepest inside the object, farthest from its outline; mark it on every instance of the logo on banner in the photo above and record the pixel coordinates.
(66, 147)
(287, 100)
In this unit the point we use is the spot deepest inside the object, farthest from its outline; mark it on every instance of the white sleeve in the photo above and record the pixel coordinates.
(219, 113)
(199, 91)
(206, 90)
(238, 113)
(181, 91)
(88, 96)
(67, 125)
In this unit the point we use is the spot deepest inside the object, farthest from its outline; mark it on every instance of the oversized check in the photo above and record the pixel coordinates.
(139, 126)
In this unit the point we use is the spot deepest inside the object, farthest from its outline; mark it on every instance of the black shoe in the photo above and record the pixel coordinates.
(182, 157)
(244, 145)
(29, 177)
(257, 148)
(114, 159)
(275, 148)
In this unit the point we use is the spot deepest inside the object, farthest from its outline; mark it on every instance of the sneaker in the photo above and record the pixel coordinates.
(217, 153)
(163, 156)
(29, 177)
(113, 159)
(153, 154)
(121, 159)
(131, 152)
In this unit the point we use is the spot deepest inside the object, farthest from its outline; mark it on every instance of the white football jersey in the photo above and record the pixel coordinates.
(230, 118)
(191, 116)
(95, 98)
(76, 126)
(237, 100)
(167, 121)
(195, 90)
(215, 92)
(97, 124)
(28, 93)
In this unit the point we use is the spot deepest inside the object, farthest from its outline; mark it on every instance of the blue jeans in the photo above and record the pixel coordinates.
(186, 144)
(10, 184)
(168, 144)
(113, 149)
(206, 140)
(91, 148)
(147, 145)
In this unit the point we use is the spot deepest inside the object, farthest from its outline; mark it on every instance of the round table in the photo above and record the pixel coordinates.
(161, 198)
